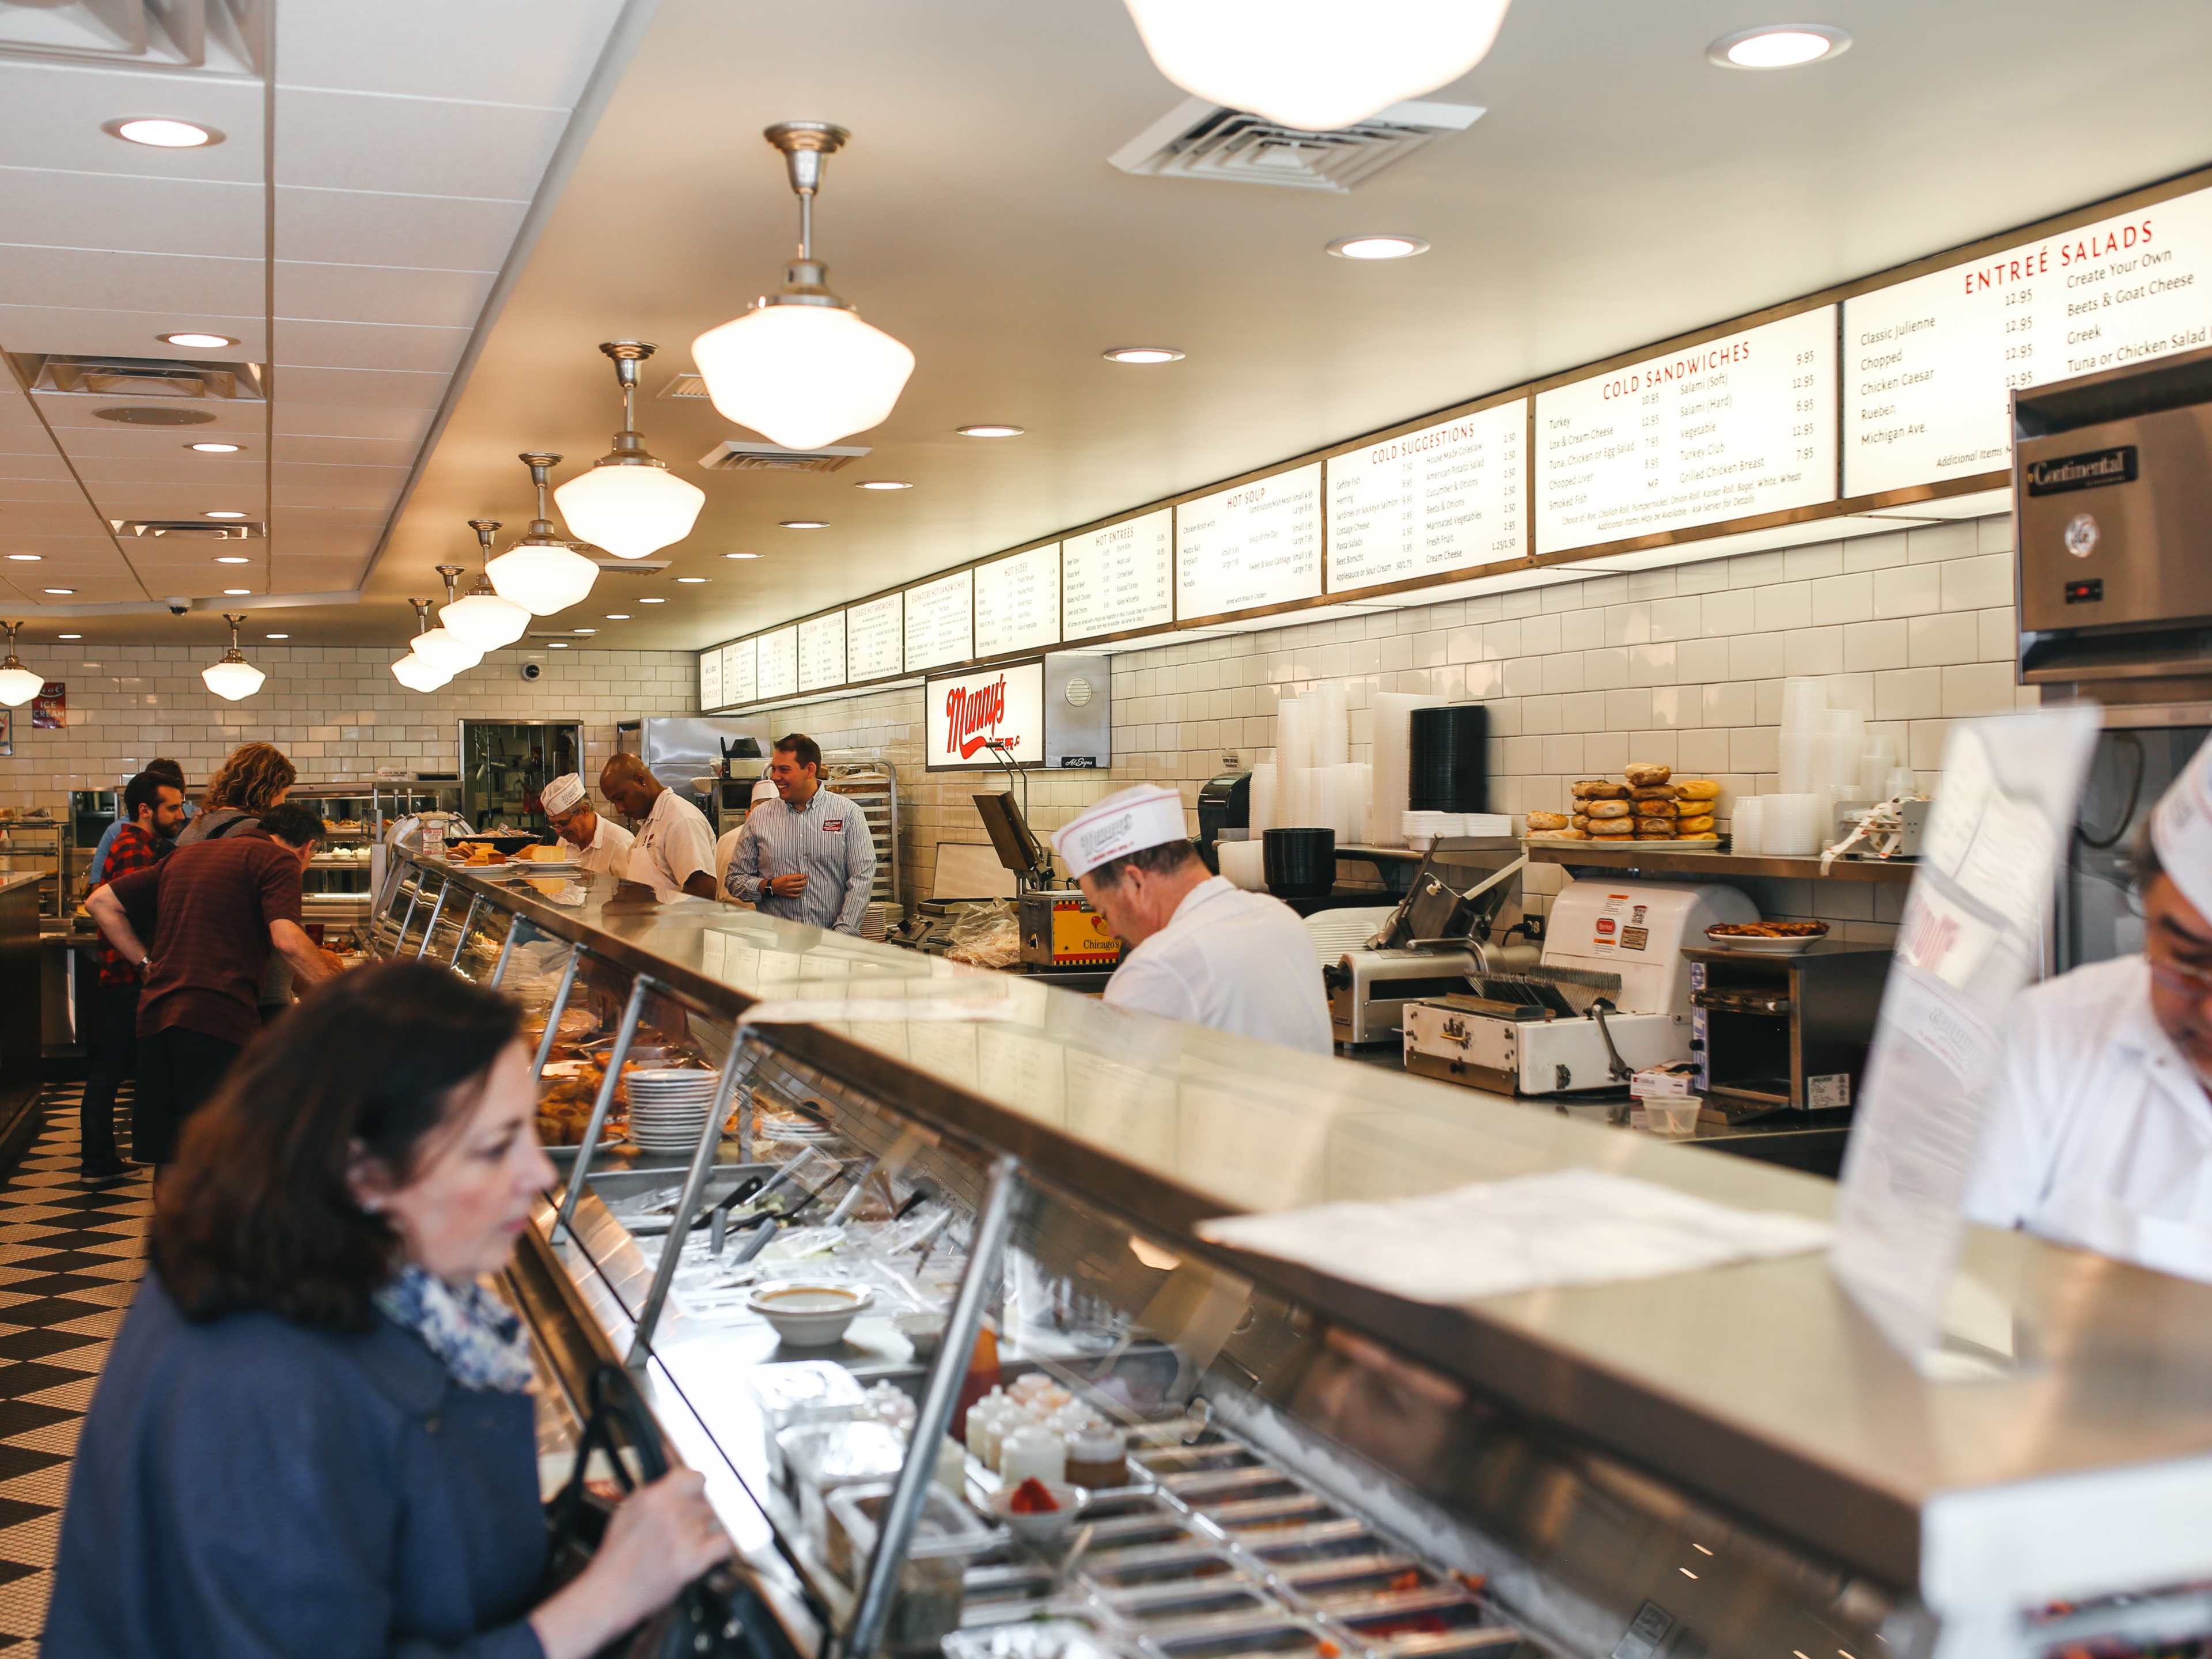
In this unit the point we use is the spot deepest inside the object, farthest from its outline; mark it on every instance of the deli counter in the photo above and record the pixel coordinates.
(996, 1192)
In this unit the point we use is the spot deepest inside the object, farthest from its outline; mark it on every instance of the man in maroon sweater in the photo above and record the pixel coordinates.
(215, 911)
(153, 812)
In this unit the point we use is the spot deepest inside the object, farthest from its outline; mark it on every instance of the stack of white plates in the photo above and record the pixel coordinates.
(669, 1109)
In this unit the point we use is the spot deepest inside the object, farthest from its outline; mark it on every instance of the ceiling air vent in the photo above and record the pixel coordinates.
(684, 386)
(1202, 140)
(610, 566)
(198, 530)
(175, 34)
(153, 415)
(730, 456)
(139, 377)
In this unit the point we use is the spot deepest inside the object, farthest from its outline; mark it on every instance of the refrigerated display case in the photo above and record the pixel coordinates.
(1724, 1461)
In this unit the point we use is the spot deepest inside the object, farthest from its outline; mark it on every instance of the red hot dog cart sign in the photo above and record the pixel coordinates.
(978, 718)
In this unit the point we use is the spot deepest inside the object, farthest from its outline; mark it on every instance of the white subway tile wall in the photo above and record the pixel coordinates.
(335, 710)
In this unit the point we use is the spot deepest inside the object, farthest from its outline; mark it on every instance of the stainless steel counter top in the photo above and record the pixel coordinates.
(1760, 1385)
(11, 880)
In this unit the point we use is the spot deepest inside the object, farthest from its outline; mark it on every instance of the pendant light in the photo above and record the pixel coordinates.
(800, 367)
(18, 685)
(628, 502)
(542, 572)
(233, 678)
(480, 616)
(1319, 65)
(419, 673)
(440, 646)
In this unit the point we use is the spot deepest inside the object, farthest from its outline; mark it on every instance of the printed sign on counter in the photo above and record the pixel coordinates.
(822, 652)
(940, 618)
(1259, 543)
(967, 713)
(1018, 602)
(1932, 363)
(875, 638)
(1118, 578)
(778, 663)
(1740, 424)
(1444, 498)
(710, 678)
(740, 673)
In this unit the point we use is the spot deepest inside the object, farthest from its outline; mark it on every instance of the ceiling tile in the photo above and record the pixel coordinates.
(298, 417)
(29, 527)
(48, 468)
(305, 474)
(125, 333)
(369, 345)
(225, 474)
(53, 491)
(339, 498)
(91, 276)
(131, 215)
(360, 227)
(346, 452)
(507, 51)
(360, 387)
(413, 145)
(50, 115)
(381, 294)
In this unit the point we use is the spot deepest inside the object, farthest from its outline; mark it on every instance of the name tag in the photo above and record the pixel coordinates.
(833, 827)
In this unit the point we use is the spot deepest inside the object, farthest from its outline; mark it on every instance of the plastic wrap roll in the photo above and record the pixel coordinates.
(1747, 830)
(1261, 795)
(1294, 730)
(1331, 730)
(1391, 754)
(1245, 864)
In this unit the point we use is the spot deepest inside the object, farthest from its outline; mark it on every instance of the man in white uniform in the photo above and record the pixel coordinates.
(602, 843)
(1196, 947)
(673, 852)
(2099, 1132)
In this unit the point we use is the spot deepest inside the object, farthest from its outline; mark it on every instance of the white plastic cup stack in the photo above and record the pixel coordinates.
(1262, 798)
(1791, 826)
(1294, 733)
(1746, 829)
(1875, 764)
(1331, 728)
(1392, 720)
(1355, 788)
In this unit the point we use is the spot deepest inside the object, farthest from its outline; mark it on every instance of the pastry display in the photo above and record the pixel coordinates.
(1646, 804)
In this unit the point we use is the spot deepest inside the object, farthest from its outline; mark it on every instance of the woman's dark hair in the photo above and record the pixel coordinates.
(256, 1212)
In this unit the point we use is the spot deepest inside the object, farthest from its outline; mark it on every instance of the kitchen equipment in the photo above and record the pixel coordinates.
(1450, 766)
(1224, 803)
(1300, 863)
(1610, 994)
(1776, 1033)
(506, 763)
(1060, 930)
(678, 748)
(1436, 940)
(1914, 815)
(1011, 839)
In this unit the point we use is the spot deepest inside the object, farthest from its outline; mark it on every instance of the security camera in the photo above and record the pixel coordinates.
(177, 608)
(531, 671)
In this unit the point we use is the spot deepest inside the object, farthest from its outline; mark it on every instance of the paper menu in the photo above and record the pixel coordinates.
(710, 678)
(940, 621)
(875, 638)
(778, 663)
(1119, 579)
(740, 673)
(1448, 497)
(1257, 543)
(822, 652)
(1018, 602)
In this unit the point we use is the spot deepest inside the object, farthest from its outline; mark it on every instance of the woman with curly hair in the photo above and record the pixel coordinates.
(255, 778)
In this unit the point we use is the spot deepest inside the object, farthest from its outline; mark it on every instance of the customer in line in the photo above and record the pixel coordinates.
(601, 843)
(255, 778)
(167, 769)
(314, 1434)
(807, 856)
(674, 851)
(153, 812)
(216, 912)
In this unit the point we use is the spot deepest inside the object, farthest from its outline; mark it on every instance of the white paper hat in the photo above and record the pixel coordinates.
(2181, 830)
(562, 793)
(1146, 816)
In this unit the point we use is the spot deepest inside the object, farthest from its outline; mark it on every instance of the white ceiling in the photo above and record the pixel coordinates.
(1620, 190)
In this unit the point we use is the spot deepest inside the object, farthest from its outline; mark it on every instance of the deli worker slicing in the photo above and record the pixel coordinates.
(1198, 948)
(601, 843)
(2099, 1129)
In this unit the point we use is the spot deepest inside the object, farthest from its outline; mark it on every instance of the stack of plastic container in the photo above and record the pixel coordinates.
(1313, 784)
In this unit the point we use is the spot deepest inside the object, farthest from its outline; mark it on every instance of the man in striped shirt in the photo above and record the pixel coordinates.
(807, 856)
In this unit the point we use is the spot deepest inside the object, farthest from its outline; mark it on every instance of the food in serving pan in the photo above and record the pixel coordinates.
(1767, 930)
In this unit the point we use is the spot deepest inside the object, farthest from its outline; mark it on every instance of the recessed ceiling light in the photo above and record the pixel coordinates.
(231, 558)
(989, 430)
(1143, 355)
(882, 484)
(583, 631)
(238, 590)
(61, 590)
(161, 132)
(198, 341)
(27, 558)
(693, 581)
(1778, 45)
(727, 555)
(1390, 247)
(617, 616)
(222, 513)
(653, 601)
(560, 645)
(217, 449)
(276, 636)
(805, 524)
(69, 637)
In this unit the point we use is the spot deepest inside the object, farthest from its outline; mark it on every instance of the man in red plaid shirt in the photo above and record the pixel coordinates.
(153, 812)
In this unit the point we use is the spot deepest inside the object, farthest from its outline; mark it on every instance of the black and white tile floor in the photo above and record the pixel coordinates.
(70, 1256)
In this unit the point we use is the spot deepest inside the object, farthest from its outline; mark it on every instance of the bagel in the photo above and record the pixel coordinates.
(1641, 774)
(1608, 809)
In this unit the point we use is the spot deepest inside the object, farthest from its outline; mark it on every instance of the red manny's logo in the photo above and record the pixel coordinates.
(972, 717)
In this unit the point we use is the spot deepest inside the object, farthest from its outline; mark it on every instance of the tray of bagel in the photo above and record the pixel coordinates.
(1646, 804)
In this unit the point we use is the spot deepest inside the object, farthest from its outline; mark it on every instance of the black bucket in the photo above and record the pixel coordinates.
(1448, 770)
(1300, 863)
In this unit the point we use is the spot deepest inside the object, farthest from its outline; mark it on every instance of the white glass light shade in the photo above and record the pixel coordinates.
(232, 680)
(1316, 64)
(630, 511)
(801, 375)
(446, 652)
(542, 579)
(418, 673)
(485, 621)
(19, 685)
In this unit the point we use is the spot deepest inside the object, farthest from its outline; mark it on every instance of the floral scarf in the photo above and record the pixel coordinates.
(477, 1336)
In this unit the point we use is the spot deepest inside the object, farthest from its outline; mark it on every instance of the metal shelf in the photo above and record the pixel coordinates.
(1652, 861)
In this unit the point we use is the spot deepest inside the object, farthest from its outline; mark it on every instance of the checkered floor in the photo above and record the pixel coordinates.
(70, 1260)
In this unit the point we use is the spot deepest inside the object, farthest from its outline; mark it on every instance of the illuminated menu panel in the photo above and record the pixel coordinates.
(710, 678)
(1118, 578)
(875, 638)
(778, 663)
(822, 652)
(1018, 602)
(1930, 365)
(1258, 544)
(740, 673)
(940, 619)
(1448, 497)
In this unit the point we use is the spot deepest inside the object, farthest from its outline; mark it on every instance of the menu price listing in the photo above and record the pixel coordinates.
(822, 652)
(778, 663)
(875, 638)
(1444, 498)
(1258, 544)
(1018, 602)
(1119, 579)
(710, 678)
(940, 619)
(1739, 425)
(1932, 363)
(740, 673)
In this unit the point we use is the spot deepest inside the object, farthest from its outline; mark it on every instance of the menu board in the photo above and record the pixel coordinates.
(1447, 497)
(1118, 578)
(710, 678)
(1018, 602)
(1738, 424)
(740, 673)
(875, 638)
(822, 652)
(778, 663)
(1933, 361)
(1259, 543)
(940, 619)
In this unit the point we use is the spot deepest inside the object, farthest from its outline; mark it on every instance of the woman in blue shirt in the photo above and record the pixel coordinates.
(314, 1434)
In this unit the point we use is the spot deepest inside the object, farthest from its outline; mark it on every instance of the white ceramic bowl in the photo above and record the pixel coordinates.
(809, 1316)
(924, 1330)
(1048, 1527)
